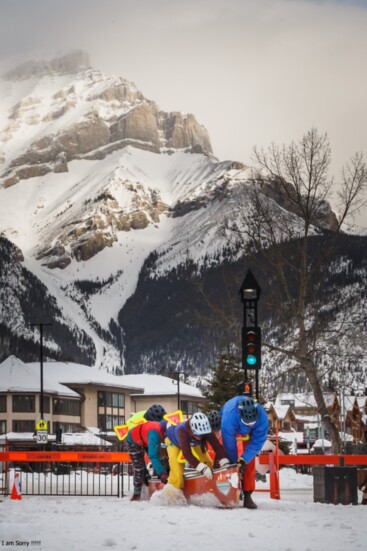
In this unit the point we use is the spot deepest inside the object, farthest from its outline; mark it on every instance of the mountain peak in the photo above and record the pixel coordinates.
(68, 63)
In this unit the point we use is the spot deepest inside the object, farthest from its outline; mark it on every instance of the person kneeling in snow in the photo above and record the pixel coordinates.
(147, 438)
(244, 420)
(192, 437)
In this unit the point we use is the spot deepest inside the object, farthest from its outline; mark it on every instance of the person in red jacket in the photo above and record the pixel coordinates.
(147, 438)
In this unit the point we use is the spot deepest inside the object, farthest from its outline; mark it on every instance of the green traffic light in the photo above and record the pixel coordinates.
(251, 360)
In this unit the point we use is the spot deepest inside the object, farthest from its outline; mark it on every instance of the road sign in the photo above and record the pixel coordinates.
(42, 437)
(41, 425)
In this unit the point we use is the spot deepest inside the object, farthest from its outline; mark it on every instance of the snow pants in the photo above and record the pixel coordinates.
(176, 473)
(249, 478)
(137, 454)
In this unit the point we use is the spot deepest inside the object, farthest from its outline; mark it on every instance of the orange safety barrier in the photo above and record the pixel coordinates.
(311, 459)
(274, 461)
(72, 457)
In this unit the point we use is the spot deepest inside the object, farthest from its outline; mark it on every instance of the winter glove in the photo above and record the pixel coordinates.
(224, 462)
(241, 466)
(205, 470)
(163, 478)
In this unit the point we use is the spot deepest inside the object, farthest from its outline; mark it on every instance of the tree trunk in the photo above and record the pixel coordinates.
(310, 370)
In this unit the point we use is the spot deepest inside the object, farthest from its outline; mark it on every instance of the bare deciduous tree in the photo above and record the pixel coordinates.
(288, 204)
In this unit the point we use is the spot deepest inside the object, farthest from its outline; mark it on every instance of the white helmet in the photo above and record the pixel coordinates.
(199, 424)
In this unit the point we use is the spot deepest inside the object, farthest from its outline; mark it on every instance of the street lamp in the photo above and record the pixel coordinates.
(251, 333)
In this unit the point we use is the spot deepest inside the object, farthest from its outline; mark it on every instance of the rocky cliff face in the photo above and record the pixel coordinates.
(75, 113)
(110, 114)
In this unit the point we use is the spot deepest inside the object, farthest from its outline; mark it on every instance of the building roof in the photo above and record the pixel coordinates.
(292, 436)
(303, 399)
(157, 385)
(310, 418)
(282, 411)
(362, 401)
(17, 376)
(322, 443)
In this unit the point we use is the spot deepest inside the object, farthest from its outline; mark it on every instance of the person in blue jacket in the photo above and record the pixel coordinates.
(246, 421)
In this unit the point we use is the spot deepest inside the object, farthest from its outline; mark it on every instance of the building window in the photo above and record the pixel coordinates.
(2, 427)
(107, 422)
(111, 399)
(189, 408)
(23, 426)
(23, 403)
(3, 403)
(62, 406)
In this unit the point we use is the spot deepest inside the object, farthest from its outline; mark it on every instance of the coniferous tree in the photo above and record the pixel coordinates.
(226, 379)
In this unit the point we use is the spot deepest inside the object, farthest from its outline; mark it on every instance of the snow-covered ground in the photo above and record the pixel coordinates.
(293, 523)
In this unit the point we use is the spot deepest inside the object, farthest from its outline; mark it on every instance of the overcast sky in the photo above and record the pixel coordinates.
(251, 71)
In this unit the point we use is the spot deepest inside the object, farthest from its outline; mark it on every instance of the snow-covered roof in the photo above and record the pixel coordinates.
(17, 376)
(83, 439)
(361, 401)
(322, 443)
(302, 399)
(281, 411)
(304, 417)
(292, 436)
(73, 373)
(345, 437)
(312, 425)
(157, 385)
(347, 402)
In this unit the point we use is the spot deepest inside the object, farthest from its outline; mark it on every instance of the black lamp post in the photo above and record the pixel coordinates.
(251, 333)
(41, 326)
(176, 375)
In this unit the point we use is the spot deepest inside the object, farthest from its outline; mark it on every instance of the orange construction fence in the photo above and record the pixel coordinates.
(274, 460)
(72, 457)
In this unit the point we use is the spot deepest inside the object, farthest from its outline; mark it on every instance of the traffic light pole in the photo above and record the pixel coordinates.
(251, 332)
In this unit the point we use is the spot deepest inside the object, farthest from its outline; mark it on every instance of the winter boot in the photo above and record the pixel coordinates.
(135, 497)
(247, 501)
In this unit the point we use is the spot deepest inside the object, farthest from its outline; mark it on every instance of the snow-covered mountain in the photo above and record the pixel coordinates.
(109, 202)
(94, 177)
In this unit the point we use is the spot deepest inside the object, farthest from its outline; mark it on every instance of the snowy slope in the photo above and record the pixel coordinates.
(174, 191)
